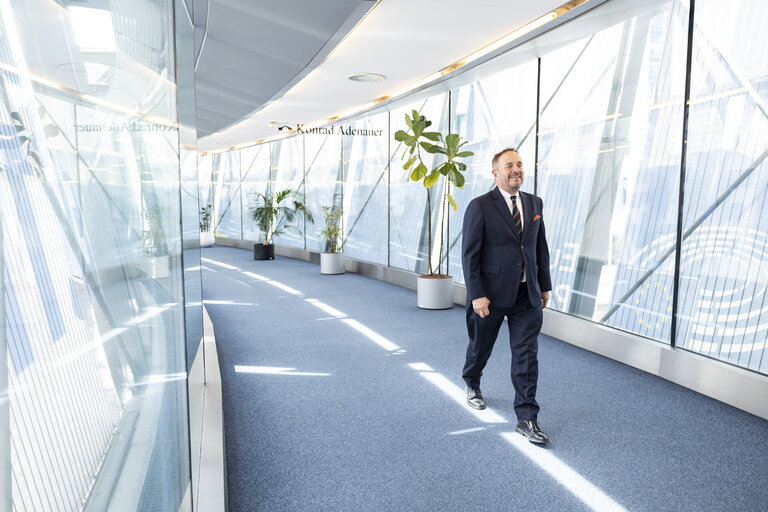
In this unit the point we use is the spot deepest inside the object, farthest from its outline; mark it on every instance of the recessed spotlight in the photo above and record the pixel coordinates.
(366, 77)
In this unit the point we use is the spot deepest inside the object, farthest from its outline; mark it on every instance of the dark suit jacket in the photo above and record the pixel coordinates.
(492, 251)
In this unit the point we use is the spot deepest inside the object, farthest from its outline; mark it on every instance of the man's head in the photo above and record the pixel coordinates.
(508, 170)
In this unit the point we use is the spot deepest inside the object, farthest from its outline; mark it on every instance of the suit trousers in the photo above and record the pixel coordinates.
(524, 321)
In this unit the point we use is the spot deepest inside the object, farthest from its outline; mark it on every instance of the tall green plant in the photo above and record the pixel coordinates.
(333, 232)
(433, 143)
(276, 213)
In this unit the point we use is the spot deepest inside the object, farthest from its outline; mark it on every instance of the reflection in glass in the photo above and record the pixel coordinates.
(92, 254)
(288, 173)
(256, 178)
(493, 113)
(225, 179)
(322, 182)
(723, 310)
(365, 189)
(610, 130)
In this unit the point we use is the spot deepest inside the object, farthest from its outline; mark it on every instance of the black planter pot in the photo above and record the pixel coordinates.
(263, 252)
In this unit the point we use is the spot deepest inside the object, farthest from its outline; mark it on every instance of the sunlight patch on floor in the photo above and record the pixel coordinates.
(579, 486)
(276, 370)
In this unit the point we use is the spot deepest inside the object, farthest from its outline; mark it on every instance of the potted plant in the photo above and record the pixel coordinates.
(332, 260)
(274, 214)
(206, 235)
(434, 289)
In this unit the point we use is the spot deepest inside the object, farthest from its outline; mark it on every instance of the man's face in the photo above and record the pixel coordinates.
(508, 172)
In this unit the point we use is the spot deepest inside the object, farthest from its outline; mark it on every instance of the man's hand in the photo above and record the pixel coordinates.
(544, 299)
(481, 306)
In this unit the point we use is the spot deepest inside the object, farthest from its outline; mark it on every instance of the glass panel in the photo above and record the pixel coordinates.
(723, 310)
(92, 253)
(365, 189)
(408, 233)
(190, 207)
(225, 178)
(288, 174)
(611, 126)
(323, 182)
(206, 188)
(492, 114)
(256, 171)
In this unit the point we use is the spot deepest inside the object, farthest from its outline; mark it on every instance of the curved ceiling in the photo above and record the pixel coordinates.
(248, 51)
(265, 62)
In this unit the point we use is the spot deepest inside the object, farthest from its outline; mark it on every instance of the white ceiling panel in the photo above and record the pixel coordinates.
(404, 40)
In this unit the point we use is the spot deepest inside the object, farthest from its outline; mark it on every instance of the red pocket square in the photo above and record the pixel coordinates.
(536, 218)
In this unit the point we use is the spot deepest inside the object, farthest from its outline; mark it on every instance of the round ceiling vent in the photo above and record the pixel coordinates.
(366, 77)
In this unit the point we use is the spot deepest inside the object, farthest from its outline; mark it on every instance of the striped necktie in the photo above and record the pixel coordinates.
(516, 217)
(519, 227)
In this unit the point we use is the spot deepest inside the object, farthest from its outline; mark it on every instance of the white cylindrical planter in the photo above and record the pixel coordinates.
(435, 293)
(206, 239)
(332, 262)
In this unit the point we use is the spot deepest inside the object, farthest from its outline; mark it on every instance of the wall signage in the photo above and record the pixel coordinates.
(335, 130)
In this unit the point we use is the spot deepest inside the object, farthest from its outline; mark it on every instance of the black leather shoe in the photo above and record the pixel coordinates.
(475, 398)
(530, 429)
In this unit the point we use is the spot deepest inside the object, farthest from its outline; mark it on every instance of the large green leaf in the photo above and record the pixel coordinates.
(456, 178)
(431, 179)
(401, 135)
(464, 154)
(431, 148)
(452, 140)
(444, 168)
(409, 163)
(419, 172)
(433, 136)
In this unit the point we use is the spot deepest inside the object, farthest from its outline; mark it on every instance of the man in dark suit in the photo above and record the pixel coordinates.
(506, 269)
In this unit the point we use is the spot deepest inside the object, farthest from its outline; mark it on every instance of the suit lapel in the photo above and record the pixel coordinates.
(501, 206)
(528, 213)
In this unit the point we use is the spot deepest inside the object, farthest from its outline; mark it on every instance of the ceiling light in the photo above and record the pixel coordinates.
(366, 77)
(92, 28)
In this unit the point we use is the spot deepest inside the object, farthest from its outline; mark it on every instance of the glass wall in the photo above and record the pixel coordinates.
(608, 133)
(723, 311)
(256, 178)
(492, 113)
(609, 152)
(99, 232)
(366, 189)
(287, 173)
(323, 179)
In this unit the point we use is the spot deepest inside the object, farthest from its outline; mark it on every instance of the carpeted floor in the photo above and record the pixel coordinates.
(349, 397)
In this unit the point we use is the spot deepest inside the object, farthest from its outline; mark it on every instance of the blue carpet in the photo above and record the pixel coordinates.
(372, 433)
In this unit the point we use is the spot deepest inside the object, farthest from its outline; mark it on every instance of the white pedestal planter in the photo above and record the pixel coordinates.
(332, 262)
(435, 293)
(155, 267)
(206, 239)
